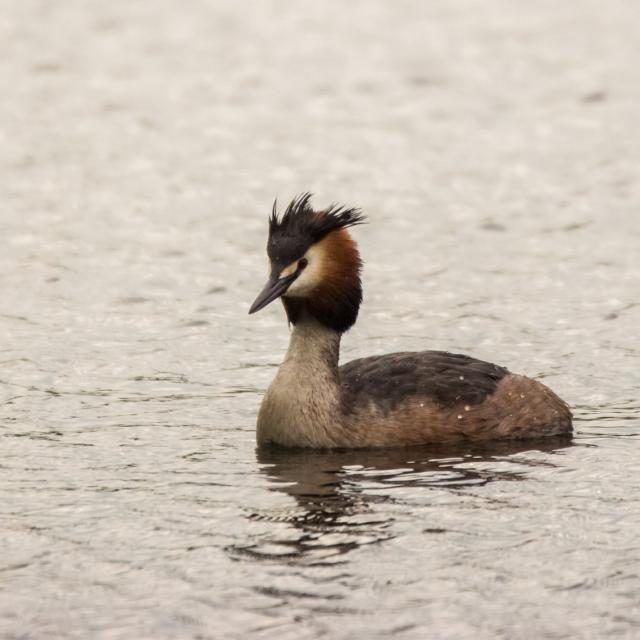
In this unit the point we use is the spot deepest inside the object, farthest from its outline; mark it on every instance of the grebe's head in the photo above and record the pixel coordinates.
(315, 264)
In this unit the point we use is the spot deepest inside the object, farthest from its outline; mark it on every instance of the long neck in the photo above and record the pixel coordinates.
(302, 407)
(314, 349)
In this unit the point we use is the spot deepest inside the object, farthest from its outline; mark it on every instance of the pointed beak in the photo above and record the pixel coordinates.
(274, 288)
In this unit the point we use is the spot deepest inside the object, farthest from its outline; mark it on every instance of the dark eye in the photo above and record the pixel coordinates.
(302, 263)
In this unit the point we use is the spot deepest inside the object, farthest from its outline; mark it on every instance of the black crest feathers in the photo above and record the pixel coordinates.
(336, 297)
(300, 220)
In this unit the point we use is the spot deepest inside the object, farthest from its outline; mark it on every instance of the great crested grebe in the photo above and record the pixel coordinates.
(397, 399)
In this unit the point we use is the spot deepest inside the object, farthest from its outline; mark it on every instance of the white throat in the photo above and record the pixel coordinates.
(313, 346)
(302, 405)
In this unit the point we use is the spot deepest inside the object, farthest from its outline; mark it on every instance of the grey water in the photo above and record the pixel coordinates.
(494, 147)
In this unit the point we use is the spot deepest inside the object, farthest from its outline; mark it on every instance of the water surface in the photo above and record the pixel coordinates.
(493, 146)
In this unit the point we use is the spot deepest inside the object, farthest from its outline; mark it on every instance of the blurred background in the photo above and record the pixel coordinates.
(494, 148)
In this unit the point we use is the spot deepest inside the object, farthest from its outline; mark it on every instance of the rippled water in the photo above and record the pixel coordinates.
(494, 146)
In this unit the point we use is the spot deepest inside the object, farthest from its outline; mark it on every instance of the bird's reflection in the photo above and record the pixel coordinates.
(336, 492)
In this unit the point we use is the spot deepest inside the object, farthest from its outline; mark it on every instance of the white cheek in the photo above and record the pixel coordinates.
(287, 271)
(309, 279)
(304, 283)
